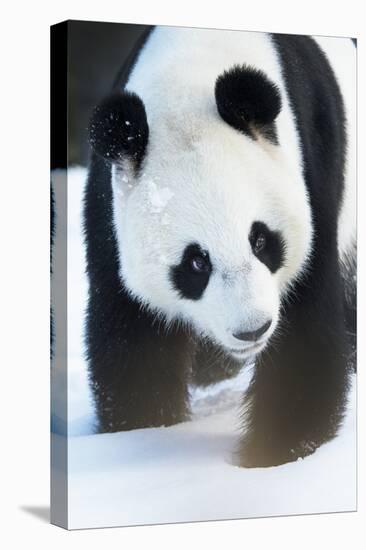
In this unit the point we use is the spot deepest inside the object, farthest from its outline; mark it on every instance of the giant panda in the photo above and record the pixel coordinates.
(220, 223)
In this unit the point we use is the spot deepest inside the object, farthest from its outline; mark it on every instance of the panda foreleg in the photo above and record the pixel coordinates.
(138, 373)
(297, 397)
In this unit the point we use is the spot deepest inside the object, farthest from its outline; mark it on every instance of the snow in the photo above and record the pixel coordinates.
(158, 197)
(185, 472)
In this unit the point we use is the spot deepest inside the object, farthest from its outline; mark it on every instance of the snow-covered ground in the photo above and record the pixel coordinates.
(185, 472)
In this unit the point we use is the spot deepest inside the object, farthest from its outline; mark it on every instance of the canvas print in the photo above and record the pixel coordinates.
(203, 247)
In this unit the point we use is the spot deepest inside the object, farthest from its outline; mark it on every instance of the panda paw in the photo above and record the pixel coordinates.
(253, 454)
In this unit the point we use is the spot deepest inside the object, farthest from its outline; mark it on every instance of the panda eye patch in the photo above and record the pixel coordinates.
(267, 245)
(190, 277)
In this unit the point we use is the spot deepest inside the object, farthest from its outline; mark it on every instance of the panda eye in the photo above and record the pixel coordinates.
(200, 264)
(260, 243)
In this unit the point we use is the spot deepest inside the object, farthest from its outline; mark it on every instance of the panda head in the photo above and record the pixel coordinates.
(212, 224)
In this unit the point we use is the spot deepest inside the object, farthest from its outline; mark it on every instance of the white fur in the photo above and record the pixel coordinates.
(204, 182)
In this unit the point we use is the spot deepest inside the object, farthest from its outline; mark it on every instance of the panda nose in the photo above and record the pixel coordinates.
(254, 335)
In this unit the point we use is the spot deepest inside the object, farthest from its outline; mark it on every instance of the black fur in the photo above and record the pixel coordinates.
(189, 284)
(210, 365)
(247, 100)
(273, 252)
(297, 397)
(139, 371)
(118, 127)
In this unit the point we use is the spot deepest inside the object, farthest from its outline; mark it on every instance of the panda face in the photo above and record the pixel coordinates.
(211, 214)
(212, 232)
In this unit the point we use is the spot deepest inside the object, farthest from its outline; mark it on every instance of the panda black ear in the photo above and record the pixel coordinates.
(118, 127)
(247, 100)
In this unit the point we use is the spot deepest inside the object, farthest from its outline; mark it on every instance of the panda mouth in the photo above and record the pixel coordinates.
(247, 351)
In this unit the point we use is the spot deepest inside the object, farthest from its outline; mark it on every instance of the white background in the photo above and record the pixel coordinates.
(24, 272)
